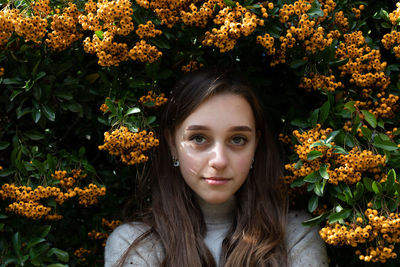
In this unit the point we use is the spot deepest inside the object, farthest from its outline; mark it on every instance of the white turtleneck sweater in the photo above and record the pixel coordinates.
(305, 247)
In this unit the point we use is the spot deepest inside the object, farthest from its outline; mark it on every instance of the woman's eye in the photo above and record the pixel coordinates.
(239, 140)
(198, 139)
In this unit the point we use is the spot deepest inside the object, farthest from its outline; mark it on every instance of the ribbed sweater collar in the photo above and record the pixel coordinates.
(222, 213)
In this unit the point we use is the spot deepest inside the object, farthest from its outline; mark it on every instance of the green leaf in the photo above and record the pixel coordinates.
(369, 117)
(230, 3)
(377, 187)
(6, 172)
(99, 34)
(297, 63)
(332, 136)
(297, 183)
(323, 171)
(36, 115)
(366, 132)
(111, 106)
(44, 231)
(314, 221)
(386, 145)
(132, 111)
(313, 203)
(298, 164)
(151, 119)
(33, 242)
(368, 183)
(319, 188)
(338, 63)
(57, 265)
(312, 177)
(316, 144)
(4, 145)
(61, 254)
(324, 112)
(341, 215)
(16, 241)
(34, 135)
(48, 112)
(350, 106)
(314, 154)
(339, 150)
(391, 175)
(359, 191)
(314, 117)
(15, 93)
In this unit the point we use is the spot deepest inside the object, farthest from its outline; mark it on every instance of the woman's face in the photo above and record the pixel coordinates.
(215, 146)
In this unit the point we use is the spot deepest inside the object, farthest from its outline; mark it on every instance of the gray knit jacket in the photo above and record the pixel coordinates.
(305, 247)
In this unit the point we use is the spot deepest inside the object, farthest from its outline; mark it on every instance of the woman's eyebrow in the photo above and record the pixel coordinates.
(232, 129)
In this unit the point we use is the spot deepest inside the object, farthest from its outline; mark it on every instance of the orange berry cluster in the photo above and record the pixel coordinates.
(236, 22)
(308, 138)
(41, 7)
(32, 210)
(395, 15)
(68, 181)
(191, 66)
(348, 168)
(151, 97)
(199, 16)
(127, 145)
(144, 52)
(31, 28)
(341, 21)
(390, 40)
(348, 127)
(321, 209)
(386, 107)
(168, 11)
(7, 25)
(27, 200)
(327, 7)
(383, 229)
(317, 81)
(357, 11)
(110, 225)
(79, 253)
(147, 30)
(349, 234)
(297, 8)
(89, 195)
(354, 164)
(1, 74)
(115, 18)
(302, 150)
(64, 29)
(391, 134)
(284, 138)
(267, 41)
(378, 254)
(364, 63)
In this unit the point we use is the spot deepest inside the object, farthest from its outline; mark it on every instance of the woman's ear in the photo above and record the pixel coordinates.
(171, 143)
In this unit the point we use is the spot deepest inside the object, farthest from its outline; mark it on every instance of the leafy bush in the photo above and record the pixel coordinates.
(82, 82)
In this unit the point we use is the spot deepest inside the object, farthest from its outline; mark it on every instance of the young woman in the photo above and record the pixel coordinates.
(217, 199)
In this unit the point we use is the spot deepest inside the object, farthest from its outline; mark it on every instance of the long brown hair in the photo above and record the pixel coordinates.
(257, 235)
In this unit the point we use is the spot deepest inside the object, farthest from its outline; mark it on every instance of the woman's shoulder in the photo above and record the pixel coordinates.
(305, 246)
(146, 253)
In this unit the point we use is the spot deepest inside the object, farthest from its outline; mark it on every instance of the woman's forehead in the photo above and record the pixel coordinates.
(226, 110)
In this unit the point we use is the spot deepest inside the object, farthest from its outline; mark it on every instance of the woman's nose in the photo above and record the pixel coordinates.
(218, 158)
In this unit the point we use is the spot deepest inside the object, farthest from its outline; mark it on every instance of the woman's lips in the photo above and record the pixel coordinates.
(216, 180)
